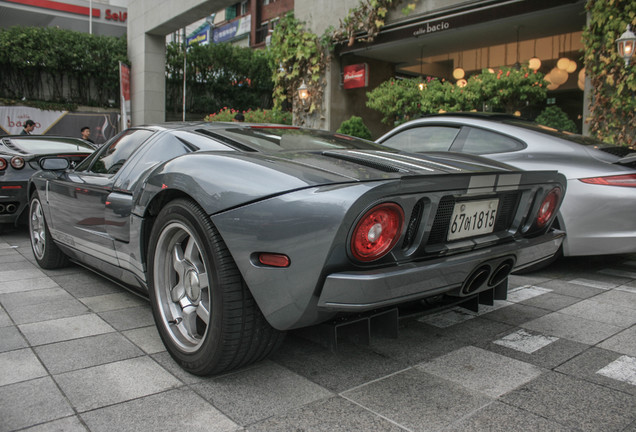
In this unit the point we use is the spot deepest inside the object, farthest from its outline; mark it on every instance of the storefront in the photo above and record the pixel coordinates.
(457, 42)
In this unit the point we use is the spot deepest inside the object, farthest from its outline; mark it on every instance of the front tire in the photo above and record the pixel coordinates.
(206, 315)
(46, 253)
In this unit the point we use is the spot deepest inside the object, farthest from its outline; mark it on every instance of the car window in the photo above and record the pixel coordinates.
(37, 145)
(481, 141)
(423, 138)
(114, 154)
(286, 138)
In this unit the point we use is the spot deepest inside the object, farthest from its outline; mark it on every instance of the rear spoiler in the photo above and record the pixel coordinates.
(628, 161)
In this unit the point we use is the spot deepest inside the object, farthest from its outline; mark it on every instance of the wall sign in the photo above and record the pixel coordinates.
(356, 76)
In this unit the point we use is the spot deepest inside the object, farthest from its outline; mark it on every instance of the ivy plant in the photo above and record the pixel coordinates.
(613, 104)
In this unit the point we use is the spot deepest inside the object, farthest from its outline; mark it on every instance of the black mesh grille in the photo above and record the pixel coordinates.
(414, 223)
(442, 220)
(505, 214)
(506, 211)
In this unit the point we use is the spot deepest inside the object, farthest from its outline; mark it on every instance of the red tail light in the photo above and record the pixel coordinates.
(17, 162)
(3, 164)
(377, 232)
(628, 180)
(548, 206)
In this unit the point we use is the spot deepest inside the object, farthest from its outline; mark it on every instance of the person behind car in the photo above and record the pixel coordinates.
(86, 134)
(29, 125)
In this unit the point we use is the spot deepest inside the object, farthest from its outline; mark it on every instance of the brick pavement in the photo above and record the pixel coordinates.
(79, 353)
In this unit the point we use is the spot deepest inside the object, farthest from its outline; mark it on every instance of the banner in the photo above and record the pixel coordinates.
(103, 125)
(232, 30)
(14, 117)
(201, 37)
(124, 95)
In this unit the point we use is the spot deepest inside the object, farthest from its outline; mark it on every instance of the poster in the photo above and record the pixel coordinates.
(124, 96)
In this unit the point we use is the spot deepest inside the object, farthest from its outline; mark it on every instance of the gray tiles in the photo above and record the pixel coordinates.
(30, 403)
(112, 383)
(79, 353)
(418, 401)
(575, 403)
(169, 411)
(260, 392)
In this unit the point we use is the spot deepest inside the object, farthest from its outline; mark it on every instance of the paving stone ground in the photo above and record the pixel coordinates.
(79, 353)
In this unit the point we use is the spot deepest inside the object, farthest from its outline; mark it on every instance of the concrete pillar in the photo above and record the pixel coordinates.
(149, 21)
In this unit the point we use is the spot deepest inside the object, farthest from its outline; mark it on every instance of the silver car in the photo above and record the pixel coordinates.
(598, 212)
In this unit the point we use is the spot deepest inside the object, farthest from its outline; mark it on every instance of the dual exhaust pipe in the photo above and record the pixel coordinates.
(8, 208)
(488, 275)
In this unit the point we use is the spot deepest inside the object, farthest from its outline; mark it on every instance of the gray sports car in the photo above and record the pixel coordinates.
(598, 212)
(238, 232)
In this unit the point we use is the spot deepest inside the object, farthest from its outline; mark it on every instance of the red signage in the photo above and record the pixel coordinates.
(356, 76)
(111, 15)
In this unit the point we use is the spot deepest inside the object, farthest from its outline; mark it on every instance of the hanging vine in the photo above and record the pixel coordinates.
(613, 105)
(298, 55)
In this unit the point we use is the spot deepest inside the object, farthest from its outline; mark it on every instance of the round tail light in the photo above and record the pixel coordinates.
(17, 162)
(3, 164)
(377, 232)
(548, 206)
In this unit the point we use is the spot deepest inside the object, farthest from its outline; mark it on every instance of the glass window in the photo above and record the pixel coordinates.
(39, 145)
(286, 138)
(115, 153)
(480, 141)
(423, 138)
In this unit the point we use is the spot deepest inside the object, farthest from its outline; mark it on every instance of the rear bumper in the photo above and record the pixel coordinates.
(364, 290)
(13, 201)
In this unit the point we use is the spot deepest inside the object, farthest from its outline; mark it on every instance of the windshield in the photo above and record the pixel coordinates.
(50, 145)
(277, 138)
(572, 137)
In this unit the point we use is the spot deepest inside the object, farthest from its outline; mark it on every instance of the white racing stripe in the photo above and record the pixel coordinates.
(391, 160)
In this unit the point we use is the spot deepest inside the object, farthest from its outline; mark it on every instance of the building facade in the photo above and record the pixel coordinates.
(436, 38)
(439, 37)
(102, 18)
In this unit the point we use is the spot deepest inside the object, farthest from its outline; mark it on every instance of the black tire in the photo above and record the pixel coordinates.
(192, 279)
(45, 251)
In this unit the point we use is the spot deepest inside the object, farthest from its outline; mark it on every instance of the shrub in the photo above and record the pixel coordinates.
(355, 127)
(555, 117)
(251, 116)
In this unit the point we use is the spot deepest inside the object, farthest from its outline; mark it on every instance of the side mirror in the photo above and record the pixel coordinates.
(54, 164)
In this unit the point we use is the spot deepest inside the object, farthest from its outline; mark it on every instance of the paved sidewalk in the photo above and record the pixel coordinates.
(79, 353)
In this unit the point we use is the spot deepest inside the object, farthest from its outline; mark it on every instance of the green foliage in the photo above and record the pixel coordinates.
(355, 127)
(555, 117)
(77, 68)
(43, 105)
(217, 76)
(296, 56)
(506, 90)
(613, 103)
(251, 116)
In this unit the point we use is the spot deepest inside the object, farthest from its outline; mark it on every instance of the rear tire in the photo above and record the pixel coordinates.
(205, 314)
(45, 251)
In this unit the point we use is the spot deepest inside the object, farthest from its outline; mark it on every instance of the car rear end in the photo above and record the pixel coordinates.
(14, 175)
(405, 235)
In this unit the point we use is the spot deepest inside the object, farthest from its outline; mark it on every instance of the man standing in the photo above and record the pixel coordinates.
(29, 125)
(86, 134)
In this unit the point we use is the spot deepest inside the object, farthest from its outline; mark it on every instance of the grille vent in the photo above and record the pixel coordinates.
(505, 214)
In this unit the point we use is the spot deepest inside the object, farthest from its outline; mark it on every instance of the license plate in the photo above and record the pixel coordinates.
(472, 218)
